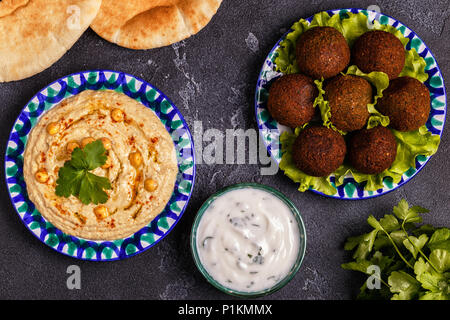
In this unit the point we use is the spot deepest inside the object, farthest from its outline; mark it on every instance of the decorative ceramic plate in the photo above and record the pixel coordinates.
(271, 131)
(143, 93)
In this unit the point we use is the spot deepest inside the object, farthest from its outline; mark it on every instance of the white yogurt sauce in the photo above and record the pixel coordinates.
(248, 240)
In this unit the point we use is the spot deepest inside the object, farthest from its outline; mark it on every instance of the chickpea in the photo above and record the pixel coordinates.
(42, 176)
(72, 145)
(53, 128)
(117, 115)
(135, 159)
(101, 212)
(86, 141)
(107, 144)
(108, 163)
(150, 185)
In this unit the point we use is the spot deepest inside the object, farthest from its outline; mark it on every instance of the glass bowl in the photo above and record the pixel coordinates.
(294, 268)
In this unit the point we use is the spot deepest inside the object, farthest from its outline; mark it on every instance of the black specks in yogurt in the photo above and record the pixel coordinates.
(259, 259)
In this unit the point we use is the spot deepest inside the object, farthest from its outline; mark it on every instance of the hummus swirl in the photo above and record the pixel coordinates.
(131, 205)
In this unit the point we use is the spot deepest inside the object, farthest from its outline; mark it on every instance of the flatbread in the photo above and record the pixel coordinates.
(147, 24)
(34, 34)
(8, 6)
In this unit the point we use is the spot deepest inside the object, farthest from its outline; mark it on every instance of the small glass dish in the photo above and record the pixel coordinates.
(253, 294)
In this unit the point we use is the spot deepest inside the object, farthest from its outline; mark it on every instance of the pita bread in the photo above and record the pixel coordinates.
(34, 34)
(147, 24)
(8, 6)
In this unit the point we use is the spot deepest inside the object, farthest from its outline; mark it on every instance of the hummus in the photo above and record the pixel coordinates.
(139, 192)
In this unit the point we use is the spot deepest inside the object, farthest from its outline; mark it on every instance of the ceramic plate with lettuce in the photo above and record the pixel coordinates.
(414, 148)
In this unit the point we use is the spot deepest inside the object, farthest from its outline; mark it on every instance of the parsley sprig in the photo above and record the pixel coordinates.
(75, 178)
(413, 259)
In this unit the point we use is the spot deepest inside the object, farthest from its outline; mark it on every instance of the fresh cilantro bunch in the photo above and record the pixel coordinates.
(413, 260)
(76, 179)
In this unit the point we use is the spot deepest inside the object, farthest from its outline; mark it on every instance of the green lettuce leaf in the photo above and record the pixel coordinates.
(285, 60)
(379, 80)
(410, 144)
(352, 27)
(356, 24)
(290, 169)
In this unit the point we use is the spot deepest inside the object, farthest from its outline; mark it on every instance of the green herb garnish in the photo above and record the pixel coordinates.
(76, 179)
(413, 260)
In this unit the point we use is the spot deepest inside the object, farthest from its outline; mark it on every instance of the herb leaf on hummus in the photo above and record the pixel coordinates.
(76, 179)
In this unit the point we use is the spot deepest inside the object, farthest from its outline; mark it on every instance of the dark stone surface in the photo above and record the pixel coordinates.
(211, 77)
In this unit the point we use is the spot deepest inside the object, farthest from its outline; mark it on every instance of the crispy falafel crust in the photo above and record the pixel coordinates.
(319, 151)
(291, 100)
(407, 103)
(322, 52)
(348, 97)
(379, 51)
(372, 151)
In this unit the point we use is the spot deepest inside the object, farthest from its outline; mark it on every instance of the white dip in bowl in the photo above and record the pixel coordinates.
(249, 240)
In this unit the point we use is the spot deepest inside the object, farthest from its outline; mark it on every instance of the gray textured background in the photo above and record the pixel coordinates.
(211, 77)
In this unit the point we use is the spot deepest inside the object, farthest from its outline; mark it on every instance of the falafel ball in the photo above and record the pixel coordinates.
(319, 151)
(348, 97)
(372, 151)
(407, 103)
(291, 100)
(379, 51)
(322, 52)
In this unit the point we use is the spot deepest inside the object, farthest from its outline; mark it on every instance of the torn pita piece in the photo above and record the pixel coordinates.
(147, 24)
(34, 34)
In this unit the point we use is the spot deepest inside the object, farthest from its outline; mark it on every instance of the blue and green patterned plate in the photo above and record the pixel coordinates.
(148, 96)
(271, 131)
